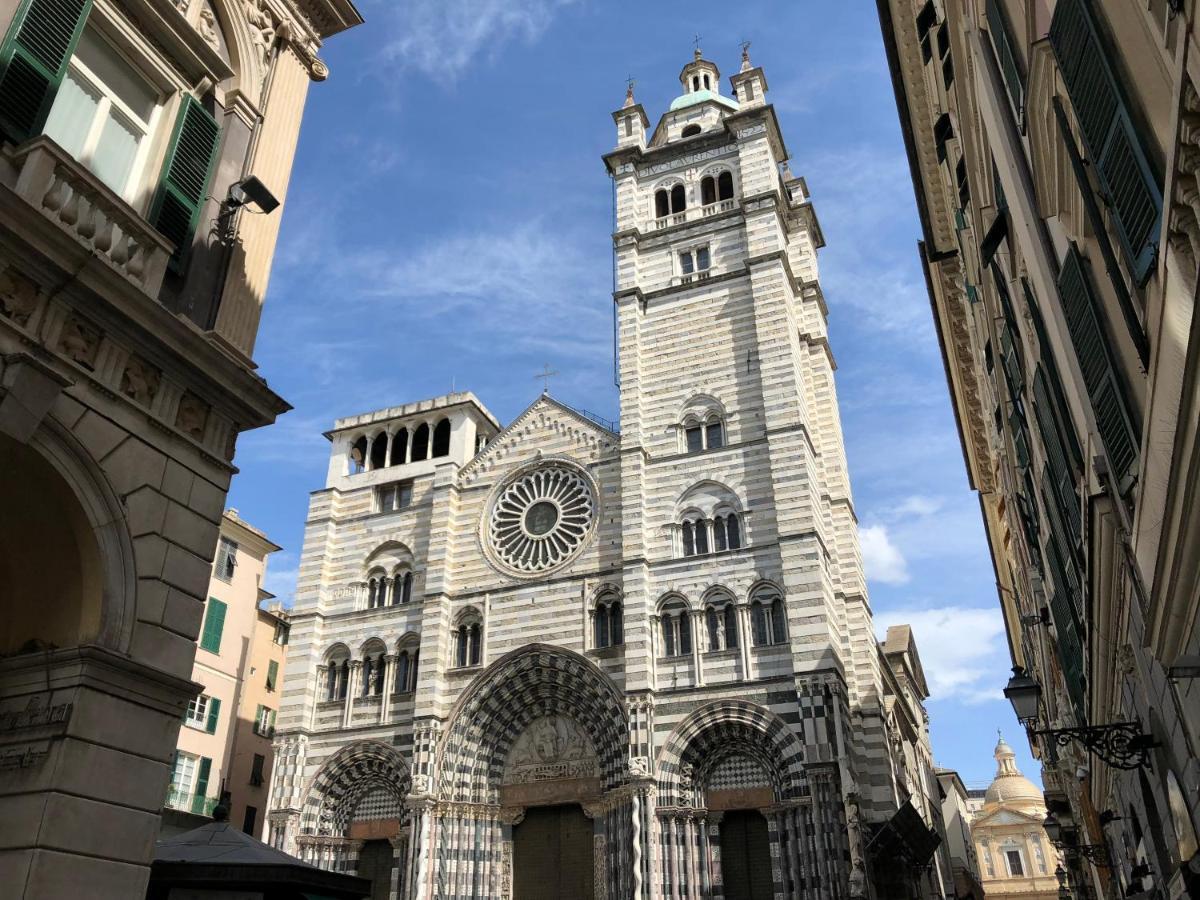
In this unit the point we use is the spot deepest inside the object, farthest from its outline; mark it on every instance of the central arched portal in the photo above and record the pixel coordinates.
(527, 780)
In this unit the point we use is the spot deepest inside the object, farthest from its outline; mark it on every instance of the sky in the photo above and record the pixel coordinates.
(448, 227)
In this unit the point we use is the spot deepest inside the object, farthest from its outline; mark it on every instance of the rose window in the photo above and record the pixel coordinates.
(541, 519)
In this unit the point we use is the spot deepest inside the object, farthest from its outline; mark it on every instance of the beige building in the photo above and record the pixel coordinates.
(1054, 152)
(251, 751)
(239, 671)
(579, 658)
(1016, 858)
(957, 814)
(133, 133)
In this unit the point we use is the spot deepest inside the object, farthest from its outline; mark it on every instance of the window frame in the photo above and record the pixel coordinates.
(196, 714)
(225, 565)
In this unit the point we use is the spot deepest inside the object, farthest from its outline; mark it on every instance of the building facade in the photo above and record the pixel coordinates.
(571, 658)
(1053, 153)
(239, 666)
(956, 824)
(130, 292)
(1016, 857)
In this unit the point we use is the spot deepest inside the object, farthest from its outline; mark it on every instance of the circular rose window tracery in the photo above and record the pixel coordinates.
(541, 519)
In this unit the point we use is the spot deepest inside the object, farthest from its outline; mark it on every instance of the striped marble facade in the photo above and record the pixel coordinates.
(655, 740)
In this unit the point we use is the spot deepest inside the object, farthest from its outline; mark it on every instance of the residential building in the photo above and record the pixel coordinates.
(578, 658)
(1017, 859)
(225, 666)
(1053, 150)
(956, 823)
(251, 753)
(134, 134)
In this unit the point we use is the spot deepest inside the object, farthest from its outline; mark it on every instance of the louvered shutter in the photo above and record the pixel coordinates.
(182, 188)
(1133, 193)
(272, 674)
(1062, 477)
(214, 714)
(33, 61)
(214, 625)
(1113, 419)
(201, 792)
(1010, 65)
(1068, 635)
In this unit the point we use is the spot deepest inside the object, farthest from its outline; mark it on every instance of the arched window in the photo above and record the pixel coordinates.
(420, 442)
(676, 625)
(695, 536)
(706, 83)
(690, 131)
(379, 450)
(402, 587)
(335, 674)
(768, 619)
(406, 671)
(399, 447)
(727, 533)
(358, 456)
(725, 186)
(695, 82)
(714, 434)
(377, 590)
(678, 199)
(662, 203)
(468, 638)
(708, 190)
(708, 434)
(721, 616)
(608, 624)
(441, 438)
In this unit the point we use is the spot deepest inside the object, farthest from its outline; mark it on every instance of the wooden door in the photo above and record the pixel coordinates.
(375, 861)
(552, 855)
(746, 856)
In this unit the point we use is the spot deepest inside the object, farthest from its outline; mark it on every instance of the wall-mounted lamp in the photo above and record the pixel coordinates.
(1106, 816)
(246, 192)
(1041, 617)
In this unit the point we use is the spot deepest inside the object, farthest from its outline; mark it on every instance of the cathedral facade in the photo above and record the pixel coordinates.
(571, 658)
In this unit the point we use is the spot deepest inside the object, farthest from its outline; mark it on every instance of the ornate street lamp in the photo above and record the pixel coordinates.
(1121, 744)
(1053, 829)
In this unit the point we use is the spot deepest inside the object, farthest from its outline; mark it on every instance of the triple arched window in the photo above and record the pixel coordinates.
(468, 639)
(700, 536)
(336, 674)
(768, 618)
(373, 672)
(381, 590)
(608, 624)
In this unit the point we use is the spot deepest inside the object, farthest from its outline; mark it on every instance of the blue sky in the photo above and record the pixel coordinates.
(448, 226)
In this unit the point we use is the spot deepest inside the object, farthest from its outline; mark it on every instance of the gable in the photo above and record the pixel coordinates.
(546, 428)
(1003, 817)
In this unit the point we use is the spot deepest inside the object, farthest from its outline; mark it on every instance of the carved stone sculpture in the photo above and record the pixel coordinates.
(18, 296)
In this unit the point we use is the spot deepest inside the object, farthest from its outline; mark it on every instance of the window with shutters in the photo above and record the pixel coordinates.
(186, 173)
(226, 562)
(104, 113)
(1114, 418)
(282, 633)
(214, 625)
(197, 712)
(272, 674)
(1128, 181)
(1006, 57)
(256, 769)
(264, 721)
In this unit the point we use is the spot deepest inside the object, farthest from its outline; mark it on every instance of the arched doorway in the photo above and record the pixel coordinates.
(529, 760)
(355, 818)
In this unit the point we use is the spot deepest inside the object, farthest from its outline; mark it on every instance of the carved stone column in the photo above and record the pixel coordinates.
(389, 687)
(353, 680)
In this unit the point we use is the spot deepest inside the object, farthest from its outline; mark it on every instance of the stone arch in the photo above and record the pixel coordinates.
(723, 729)
(81, 508)
(388, 556)
(531, 682)
(706, 497)
(362, 768)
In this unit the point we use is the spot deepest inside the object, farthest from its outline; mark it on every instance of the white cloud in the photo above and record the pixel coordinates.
(441, 38)
(881, 558)
(280, 580)
(962, 649)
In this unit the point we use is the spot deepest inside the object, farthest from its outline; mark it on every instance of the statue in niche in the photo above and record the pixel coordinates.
(80, 342)
(140, 381)
(18, 296)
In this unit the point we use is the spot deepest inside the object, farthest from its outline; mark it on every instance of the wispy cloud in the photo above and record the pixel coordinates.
(282, 570)
(881, 558)
(442, 38)
(962, 649)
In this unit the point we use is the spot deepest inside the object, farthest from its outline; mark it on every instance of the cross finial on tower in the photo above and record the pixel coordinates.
(746, 56)
(696, 45)
(629, 83)
(546, 374)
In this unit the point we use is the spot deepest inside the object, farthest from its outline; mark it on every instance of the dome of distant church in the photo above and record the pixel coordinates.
(1010, 787)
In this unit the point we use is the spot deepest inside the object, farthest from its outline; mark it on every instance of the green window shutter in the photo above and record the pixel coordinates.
(1016, 423)
(1062, 476)
(272, 674)
(214, 714)
(1133, 193)
(214, 624)
(1010, 65)
(258, 719)
(187, 170)
(33, 61)
(1113, 419)
(201, 790)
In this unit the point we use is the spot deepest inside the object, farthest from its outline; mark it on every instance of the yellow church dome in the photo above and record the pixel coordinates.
(1010, 787)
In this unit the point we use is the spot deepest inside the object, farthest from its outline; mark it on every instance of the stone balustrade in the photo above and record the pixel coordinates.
(65, 192)
(695, 212)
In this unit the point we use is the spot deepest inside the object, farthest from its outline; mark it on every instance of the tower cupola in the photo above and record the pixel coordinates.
(700, 75)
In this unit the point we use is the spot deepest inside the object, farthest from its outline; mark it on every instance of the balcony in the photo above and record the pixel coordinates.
(52, 182)
(196, 804)
(695, 213)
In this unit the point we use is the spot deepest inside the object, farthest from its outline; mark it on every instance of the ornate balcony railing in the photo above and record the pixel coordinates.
(197, 804)
(55, 184)
(696, 212)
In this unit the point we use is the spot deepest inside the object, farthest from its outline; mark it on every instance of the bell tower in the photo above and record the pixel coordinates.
(729, 408)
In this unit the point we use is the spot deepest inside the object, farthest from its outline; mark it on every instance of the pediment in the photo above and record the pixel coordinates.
(1006, 817)
(546, 428)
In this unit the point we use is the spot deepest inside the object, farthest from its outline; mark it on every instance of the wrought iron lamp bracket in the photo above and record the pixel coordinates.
(1121, 744)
